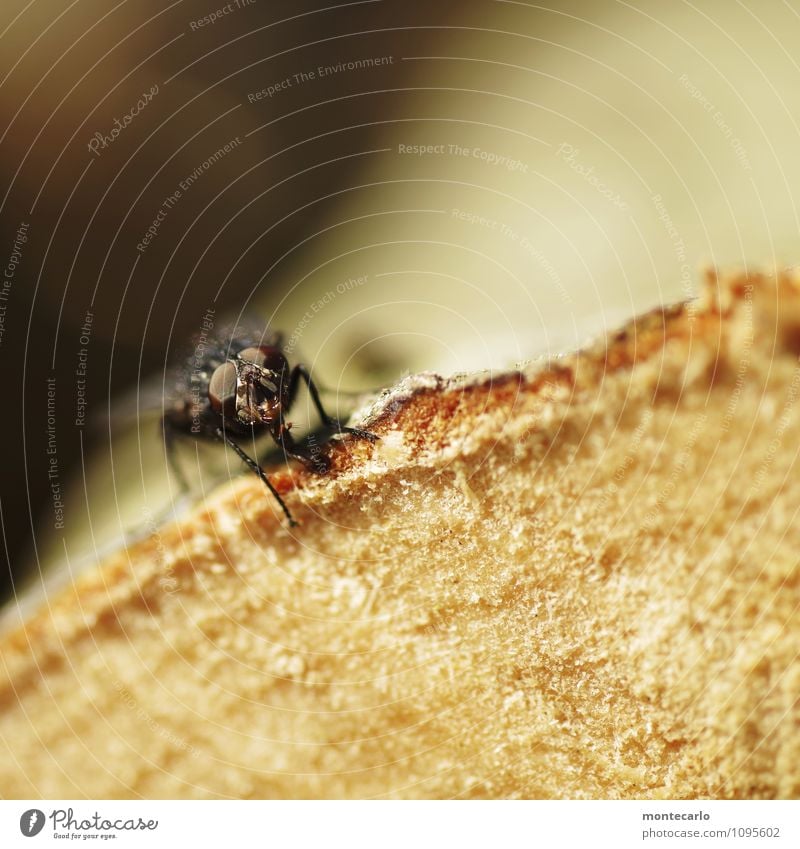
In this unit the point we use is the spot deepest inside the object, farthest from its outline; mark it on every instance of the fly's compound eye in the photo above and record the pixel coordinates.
(265, 356)
(222, 389)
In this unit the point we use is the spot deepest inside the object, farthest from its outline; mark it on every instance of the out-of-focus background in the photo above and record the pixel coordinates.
(397, 185)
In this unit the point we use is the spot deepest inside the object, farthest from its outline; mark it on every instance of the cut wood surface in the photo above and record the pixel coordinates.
(578, 580)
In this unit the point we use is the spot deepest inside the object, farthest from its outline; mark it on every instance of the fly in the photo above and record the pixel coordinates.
(236, 390)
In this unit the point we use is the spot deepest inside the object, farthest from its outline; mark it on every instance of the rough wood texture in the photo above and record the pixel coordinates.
(576, 581)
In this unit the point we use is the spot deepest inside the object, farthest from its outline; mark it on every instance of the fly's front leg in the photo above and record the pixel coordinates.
(301, 372)
(253, 466)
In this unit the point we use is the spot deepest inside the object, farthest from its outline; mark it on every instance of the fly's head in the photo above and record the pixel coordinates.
(252, 387)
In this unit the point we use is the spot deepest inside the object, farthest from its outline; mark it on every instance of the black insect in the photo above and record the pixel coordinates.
(236, 387)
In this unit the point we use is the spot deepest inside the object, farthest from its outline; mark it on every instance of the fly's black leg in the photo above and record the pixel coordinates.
(310, 453)
(301, 372)
(251, 463)
(169, 444)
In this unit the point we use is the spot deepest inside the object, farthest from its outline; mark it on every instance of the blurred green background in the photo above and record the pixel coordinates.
(399, 186)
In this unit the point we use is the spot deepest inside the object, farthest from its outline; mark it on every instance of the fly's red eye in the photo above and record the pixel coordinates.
(266, 356)
(222, 389)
